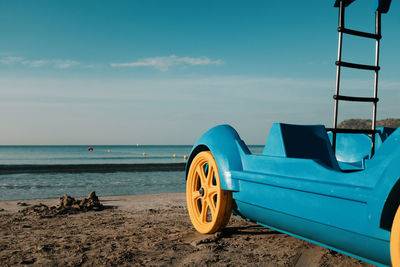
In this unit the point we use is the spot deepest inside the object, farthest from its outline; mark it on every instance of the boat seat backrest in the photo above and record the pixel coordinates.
(351, 148)
(300, 141)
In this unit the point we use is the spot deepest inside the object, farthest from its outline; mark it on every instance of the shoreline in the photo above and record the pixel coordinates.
(122, 202)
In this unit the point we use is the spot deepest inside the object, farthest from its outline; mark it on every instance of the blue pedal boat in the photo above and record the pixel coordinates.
(338, 188)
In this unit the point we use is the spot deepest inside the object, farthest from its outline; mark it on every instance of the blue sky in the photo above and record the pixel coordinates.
(163, 72)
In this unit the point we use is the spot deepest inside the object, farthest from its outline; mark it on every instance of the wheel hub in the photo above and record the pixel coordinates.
(201, 191)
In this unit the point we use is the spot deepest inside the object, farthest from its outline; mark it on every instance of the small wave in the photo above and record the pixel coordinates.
(92, 168)
(26, 187)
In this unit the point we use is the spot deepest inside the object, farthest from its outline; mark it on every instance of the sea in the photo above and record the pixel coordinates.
(41, 172)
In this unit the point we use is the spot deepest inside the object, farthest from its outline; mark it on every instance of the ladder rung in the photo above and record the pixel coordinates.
(358, 33)
(357, 66)
(340, 130)
(357, 99)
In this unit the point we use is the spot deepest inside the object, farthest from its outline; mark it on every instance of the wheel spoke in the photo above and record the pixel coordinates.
(210, 174)
(204, 209)
(197, 206)
(202, 175)
(212, 190)
(211, 204)
(196, 195)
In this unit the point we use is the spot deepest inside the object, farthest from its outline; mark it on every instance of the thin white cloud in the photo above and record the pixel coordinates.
(198, 61)
(64, 64)
(164, 63)
(7, 60)
(159, 63)
(35, 63)
(54, 63)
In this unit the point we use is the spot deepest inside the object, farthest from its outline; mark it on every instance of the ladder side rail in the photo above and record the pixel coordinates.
(338, 67)
(375, 104)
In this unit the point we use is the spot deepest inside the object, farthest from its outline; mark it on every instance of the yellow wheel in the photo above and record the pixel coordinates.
(395, 240)
(209, 206)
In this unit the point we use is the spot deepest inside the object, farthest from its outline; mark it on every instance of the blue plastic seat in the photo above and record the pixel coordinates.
(352, 150)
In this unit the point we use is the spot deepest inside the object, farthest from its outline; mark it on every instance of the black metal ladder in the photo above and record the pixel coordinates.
(339, 63)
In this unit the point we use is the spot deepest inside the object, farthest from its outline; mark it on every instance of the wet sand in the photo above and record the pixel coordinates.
(145, 230)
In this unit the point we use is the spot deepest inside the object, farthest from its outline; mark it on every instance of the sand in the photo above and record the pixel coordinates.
(145, 230)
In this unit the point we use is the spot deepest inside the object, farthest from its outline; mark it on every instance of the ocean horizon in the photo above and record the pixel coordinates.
(49, 171)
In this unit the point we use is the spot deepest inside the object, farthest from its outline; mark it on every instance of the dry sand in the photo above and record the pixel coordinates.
(151, 230)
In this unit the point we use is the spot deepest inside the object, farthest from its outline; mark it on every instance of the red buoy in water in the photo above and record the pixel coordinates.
(90, 148)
